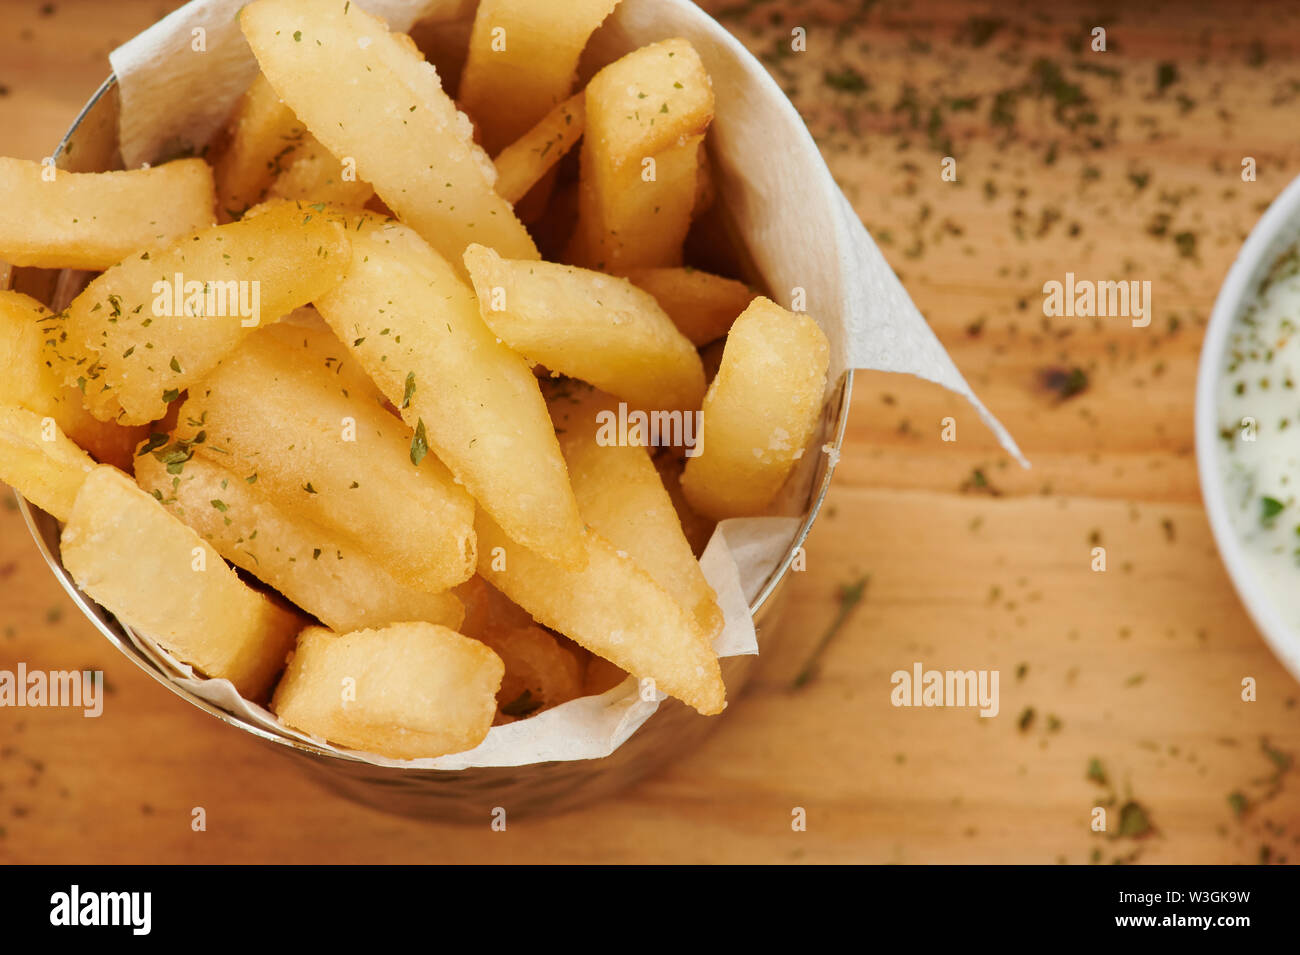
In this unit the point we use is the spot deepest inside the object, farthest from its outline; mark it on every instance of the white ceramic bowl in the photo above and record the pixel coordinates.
(1276, 230)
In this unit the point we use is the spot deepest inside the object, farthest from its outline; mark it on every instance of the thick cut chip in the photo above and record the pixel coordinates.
(588, 325)
(697, 528)
(157, 575)
(414, 325)
(522, 58)
(91, 220)
(523, 163)
(701, 305)
(539, 673)
(314, 176)
(369, 96)
(281, 411)
(622, 498)
(760, 411)
(30, 382)
(613, 608)
(26, 379)
(646, 118)
(313, 566)
(258, 144)
(150, 327)
(488, 610)
(39, 461)
(406, 691)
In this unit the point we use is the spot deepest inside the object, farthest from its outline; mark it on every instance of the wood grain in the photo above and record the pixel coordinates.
(1139, 667)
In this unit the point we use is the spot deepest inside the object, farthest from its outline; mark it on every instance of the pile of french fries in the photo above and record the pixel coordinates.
(326, 425)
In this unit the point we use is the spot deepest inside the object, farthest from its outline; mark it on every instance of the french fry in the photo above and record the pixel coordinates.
(321, 348)
(611, 607)
(539, 672)
(39, 461)
(150, 327)
(369, 96)
(158, 576)
(27, 379)
(697, 528)
(91, 220)
(488, 610)
(314, 567)
(414, 325)
(315, 176)
(522, 58)
(524, 163)
(30, 382)
(622, 498)
(760, 411)
(706, 189)
(406, 691)
(701, 305)
(646, 118)
(279, 411)
(588, 325)
(258, 144)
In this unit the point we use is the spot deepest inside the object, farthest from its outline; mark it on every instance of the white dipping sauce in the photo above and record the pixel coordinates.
(1259, 433)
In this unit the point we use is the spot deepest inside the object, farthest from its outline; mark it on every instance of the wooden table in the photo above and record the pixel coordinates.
(1117, 164)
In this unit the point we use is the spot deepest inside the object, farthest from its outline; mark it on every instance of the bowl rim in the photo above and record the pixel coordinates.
(96, 615)
(1234, 293)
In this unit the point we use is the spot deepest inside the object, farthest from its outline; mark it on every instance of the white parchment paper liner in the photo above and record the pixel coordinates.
(179, 81)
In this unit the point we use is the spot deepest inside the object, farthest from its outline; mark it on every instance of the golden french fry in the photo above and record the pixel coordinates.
(414, 325)
(611, 607)
(621, 498)
(523, 163)
(487, 609)
(91, 220)
(646, 118)
(31, 383)
(329, 577)
(588, 325)
(522, 58)
(27, 380)
(697, 528)
(406, 691)
(320, 446)
(39, 461)
(539, 672)
(370, 97)
(321, 349)
(158, 576)
(760, 411)
(701, 305)
(314, 175)
(150, 327)
(258, 144)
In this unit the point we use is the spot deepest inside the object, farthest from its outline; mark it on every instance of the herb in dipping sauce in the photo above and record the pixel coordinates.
(1258, 418)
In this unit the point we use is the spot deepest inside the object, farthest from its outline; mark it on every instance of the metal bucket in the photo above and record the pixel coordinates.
(468, 794)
